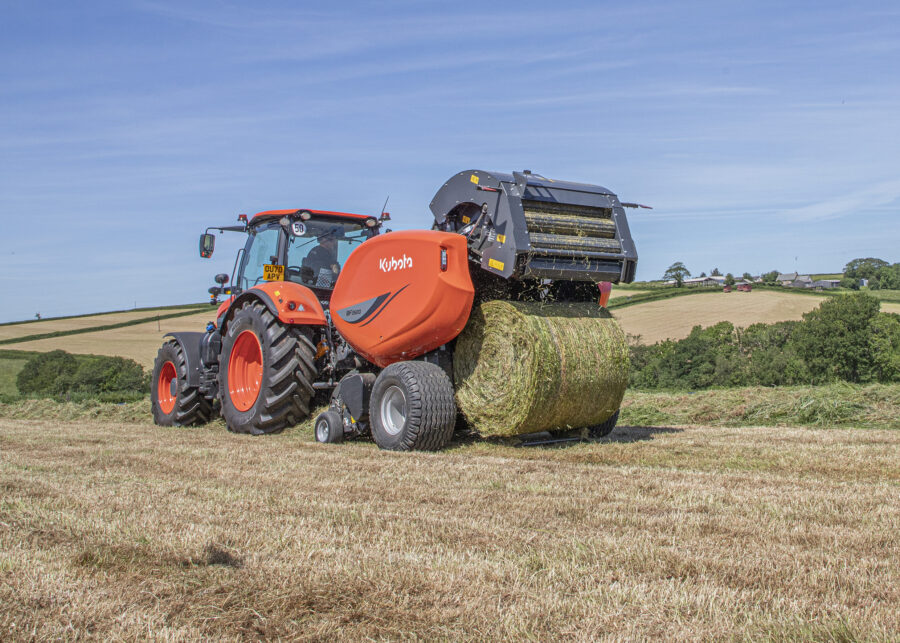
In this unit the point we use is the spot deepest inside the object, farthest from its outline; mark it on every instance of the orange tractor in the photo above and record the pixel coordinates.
(324, 307)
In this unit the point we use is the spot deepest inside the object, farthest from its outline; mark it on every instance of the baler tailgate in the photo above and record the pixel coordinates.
(538, 227)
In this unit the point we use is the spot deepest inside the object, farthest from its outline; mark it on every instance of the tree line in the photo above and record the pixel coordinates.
(880, 274)
(846, 339)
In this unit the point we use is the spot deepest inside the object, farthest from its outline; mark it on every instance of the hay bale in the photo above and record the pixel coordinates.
(523, 367)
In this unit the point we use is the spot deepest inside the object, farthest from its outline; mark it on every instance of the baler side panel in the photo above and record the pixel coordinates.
(394, 302)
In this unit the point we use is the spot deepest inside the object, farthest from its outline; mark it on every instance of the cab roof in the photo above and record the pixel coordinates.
(271, 214)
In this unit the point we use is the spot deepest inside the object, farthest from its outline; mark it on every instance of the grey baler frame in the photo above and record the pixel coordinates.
(488, 206)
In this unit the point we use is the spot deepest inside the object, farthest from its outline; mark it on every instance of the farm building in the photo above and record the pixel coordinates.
(704, 282)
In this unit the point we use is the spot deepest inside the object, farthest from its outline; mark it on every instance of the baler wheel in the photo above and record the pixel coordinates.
(329, 427)
(602, 430)
(266, 370)
(173, 402)
(412, 407)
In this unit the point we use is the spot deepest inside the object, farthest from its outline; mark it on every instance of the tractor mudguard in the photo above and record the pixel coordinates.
(278, 297)
(190, 344)
(403, 294)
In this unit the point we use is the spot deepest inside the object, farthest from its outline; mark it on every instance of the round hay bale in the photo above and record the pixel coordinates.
(523, 367)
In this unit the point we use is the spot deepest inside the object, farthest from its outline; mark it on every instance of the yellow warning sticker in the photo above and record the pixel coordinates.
(474, 179)
(501, 238)
(273, 273)
(466, 219)
(496, 265)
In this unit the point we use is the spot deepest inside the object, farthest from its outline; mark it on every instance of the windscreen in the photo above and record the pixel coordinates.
(317, 250)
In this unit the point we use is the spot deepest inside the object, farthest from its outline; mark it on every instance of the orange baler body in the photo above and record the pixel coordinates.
(403, 294)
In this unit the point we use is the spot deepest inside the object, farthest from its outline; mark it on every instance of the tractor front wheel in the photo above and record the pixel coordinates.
(173, 401)
(412, 407)
(266, 370)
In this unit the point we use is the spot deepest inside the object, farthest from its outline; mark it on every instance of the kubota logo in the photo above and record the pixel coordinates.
(392, 263)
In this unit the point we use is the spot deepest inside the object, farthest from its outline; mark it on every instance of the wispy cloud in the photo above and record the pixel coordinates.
(872, 196)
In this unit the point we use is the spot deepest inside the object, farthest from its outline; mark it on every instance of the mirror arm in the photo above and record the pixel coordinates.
(228, 228)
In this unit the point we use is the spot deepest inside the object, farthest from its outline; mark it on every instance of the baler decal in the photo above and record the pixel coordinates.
(361, 311)
(367, 311)
(386, 305)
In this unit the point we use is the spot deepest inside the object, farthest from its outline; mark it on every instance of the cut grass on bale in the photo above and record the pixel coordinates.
(125, 531)
(521, 367)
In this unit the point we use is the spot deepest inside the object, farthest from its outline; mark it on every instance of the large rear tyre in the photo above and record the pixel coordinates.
(172, 401)
(266, 370)
(412, 407)
(602, 430)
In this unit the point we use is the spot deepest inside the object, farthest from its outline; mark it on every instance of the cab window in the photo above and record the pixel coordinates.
(262, 249)
(318, 249)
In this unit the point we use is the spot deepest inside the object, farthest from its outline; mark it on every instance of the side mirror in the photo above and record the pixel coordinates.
(221, 279)
(207, 245)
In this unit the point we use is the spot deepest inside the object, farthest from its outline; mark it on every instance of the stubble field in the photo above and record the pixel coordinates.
(13, 331)
(126, 530)
(139, 342)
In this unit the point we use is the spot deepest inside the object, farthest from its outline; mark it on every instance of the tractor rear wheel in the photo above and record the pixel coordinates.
(173, 401)
(412, 407)
(266, 370)
(602, 430)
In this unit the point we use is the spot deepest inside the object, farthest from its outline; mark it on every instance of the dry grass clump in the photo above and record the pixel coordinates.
(124, 531)
(835, 405)
(521, 367)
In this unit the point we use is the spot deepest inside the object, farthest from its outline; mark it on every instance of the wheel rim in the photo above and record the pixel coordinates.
(393, 410)
(166, 387)
(245, 368)
(322, 430)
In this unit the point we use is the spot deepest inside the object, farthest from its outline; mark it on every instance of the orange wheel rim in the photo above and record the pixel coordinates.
(164, 386)
(245, 367)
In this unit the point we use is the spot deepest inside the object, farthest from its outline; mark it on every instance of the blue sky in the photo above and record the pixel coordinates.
(765, 135)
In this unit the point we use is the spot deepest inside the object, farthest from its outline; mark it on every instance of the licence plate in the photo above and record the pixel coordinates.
(273, 272)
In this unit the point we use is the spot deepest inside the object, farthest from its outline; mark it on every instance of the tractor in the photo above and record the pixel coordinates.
(329, 308)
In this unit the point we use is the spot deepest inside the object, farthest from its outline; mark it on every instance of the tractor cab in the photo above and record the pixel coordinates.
(307, 247)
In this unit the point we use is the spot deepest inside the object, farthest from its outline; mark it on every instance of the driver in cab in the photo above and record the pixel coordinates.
(322, 259)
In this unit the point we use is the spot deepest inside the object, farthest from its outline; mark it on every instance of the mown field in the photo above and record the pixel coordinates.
(733, 514)
(113, 528)
(139, 342)
(13, 331)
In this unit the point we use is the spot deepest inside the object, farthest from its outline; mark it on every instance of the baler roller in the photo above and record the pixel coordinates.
(578, 226)
(540, 242)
